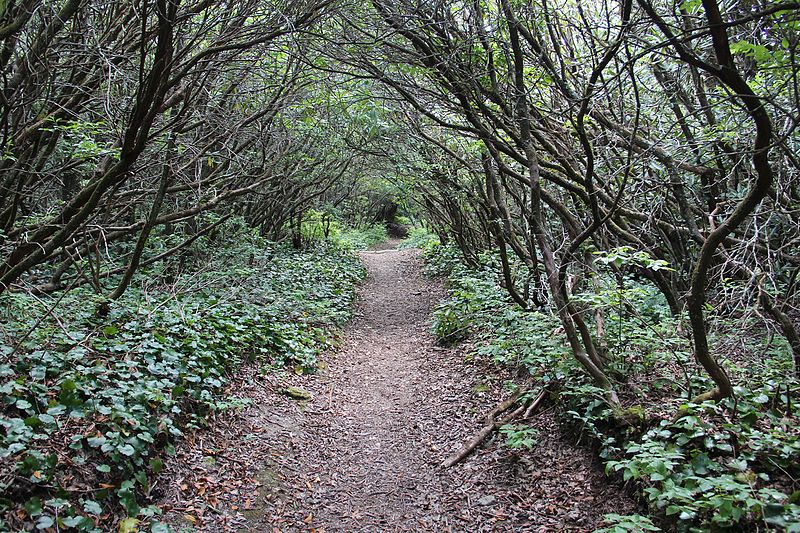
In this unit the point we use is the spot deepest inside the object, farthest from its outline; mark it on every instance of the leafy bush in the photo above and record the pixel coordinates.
(420, 238)
(710, 468)
(473, 298)
(94, 398)
(633, 523)
(714, 466)
(319, 227)
(362, 238)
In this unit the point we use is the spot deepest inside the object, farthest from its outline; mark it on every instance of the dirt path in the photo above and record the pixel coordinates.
(362, 455)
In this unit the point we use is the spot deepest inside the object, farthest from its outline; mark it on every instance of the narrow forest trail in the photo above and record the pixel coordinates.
(363, 453)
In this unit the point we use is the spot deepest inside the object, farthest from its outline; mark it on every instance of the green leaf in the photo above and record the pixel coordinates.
(23, 404)
(92, 507)
(45, 522)
(126, 449)
(57, 503)
(96, 442)
(57, 410)
(129, 525)
(33, 507)
(127, 498)
(156, 465)
(141, 477)
(159, 527)
(72, 521)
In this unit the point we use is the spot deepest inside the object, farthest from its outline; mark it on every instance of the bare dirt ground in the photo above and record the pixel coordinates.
(363, 453)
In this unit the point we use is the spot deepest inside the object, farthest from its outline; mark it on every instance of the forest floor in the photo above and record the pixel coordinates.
(362, 453)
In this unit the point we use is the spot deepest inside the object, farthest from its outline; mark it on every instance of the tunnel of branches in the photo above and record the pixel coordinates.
(545, 133)
(648, 139)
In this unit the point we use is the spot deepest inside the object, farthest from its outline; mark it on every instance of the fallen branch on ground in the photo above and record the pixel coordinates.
(525, 408)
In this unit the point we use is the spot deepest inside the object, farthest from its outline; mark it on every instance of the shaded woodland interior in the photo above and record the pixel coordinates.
(624, 172)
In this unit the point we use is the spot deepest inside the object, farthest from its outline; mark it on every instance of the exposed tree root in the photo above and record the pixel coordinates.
(525, 408)
(535, 404)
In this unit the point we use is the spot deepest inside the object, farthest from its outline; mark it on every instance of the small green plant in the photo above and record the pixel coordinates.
(519, 436)
(632, 523)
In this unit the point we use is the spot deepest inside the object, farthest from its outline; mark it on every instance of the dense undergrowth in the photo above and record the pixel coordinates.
(95, 393)
(419, 237)
(319, 226)
(727, 466)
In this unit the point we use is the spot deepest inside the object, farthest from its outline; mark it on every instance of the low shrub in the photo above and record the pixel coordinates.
(95, 393)
(723, 466)
(361, 238)
(420, 238)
